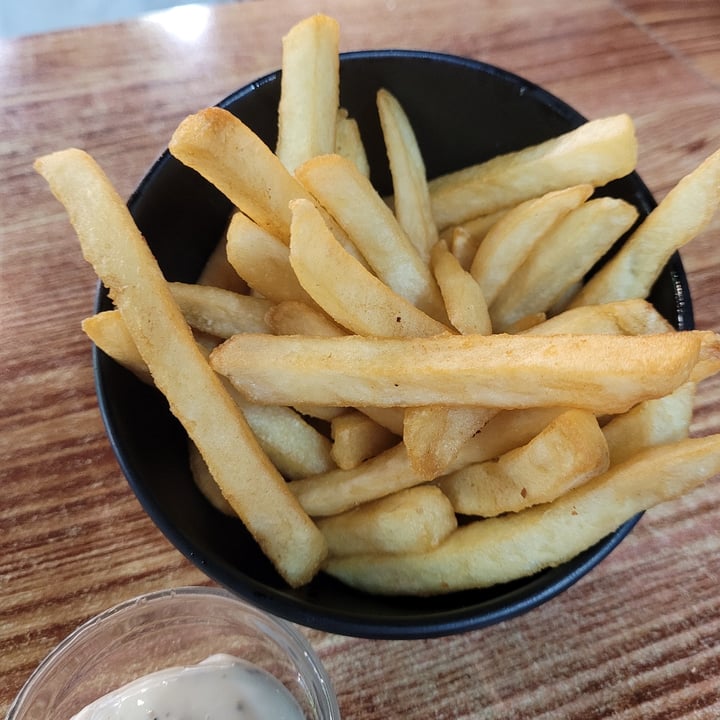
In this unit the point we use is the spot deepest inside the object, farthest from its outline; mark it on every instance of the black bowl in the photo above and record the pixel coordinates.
(463, 112)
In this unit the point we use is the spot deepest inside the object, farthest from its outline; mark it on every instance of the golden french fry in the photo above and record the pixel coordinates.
(341, 286)
(568, 452)
(220, 312)
(205, 482)
(263, 261)
(339, 490)
(498, 550)
(411, 197)
(349, 143)
(309, 90)
(595, 153)
(296, 318)
(556, 263)
(653, 422)
(605, 374)
(351, 200)
(509, 241)
(112, 243)
(682, 214)
(412, 520)
(356, 438)
(464, 300)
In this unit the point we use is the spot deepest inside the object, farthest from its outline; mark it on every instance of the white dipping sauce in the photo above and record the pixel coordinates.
(219, 688)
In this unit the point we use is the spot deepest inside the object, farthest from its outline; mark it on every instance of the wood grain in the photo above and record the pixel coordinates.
(637, 638)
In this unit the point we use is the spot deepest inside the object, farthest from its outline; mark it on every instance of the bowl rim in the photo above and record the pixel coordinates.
(534, 590)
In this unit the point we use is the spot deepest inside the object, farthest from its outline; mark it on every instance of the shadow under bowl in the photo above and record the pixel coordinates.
(463, 112)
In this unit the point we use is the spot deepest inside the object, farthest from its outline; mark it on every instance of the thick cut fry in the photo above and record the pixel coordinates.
(411, 197)
(605, 374)
(595, 153)
(309, 90)
(296, 318)
(341, 286)
(263, 261)
(357, 438)
(340, 490)
(498, 550)
(219, 312)
(112, 243)
(561, 258)
(227, 153)
(205, 482)
(568, 452)
(351, 200)
(684, 213)
(412, 520)
(653, 422)
(509, 241)
(464, 300)
(349, 143)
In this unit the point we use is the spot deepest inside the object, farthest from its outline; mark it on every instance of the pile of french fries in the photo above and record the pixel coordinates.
(416, 394)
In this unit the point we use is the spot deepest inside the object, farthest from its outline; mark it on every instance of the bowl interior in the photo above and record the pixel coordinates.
(462, 112)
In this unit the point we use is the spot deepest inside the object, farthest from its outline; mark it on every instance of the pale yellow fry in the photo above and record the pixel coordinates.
(309, 90)
(568, 452)
(351, 200)
(112, 243)
(263, 261)
(412, 520)
(344, 289)
(349, 143)
(464, 300)
(296, 318)
(205, 482)
(341, 490)
(411, 197)
(622, 317)
(509, 241)
(109, 332)
(227, 153)
(561, 258)
(596, 153)
(356, 438)
(220, 312)
(218, 271)
(497, 550)
(606, 374)
(434, 435)
(653, 422)
(681, 216)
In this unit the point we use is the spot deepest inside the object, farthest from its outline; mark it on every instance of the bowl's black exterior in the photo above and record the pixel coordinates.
(463, 112)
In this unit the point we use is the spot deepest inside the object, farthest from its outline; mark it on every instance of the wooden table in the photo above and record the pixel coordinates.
(639, 637)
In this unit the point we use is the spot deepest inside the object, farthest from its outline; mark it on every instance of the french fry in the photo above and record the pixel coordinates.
(411, 197)
(349, 143)
(498, 550)
(596, 153)
(351, 200)
(296, 318)
(682, 214)
(464, 300)
(509, 241)
(309, 90)
(555, 263)
(356, 438)
(340, 490)
(124, 263)
(568, 452)
(342, 287)
(412, 520)
(605, 374)
(220, 312)
(650, 423)
(205, 482)
(218, 272)
(263, 261)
